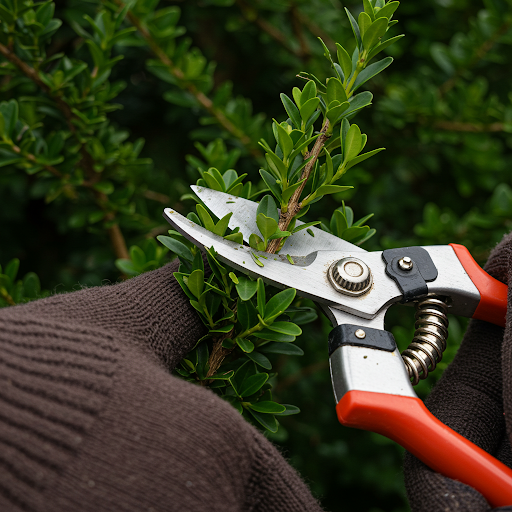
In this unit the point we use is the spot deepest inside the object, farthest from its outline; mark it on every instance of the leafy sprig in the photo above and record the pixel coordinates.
(245, 326)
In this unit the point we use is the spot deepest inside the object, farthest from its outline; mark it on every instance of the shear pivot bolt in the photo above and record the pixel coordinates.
(360, 334)
(405, 263)
(350, 276)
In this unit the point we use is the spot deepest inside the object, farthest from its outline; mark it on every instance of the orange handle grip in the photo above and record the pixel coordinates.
(493, 294)
(407, 421)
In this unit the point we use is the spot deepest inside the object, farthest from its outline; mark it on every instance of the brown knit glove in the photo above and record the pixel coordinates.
(474, 398)
(92, 420)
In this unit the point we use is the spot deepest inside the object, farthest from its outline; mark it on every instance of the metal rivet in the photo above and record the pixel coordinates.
(360, 334)
(405, 263)
(350, 276)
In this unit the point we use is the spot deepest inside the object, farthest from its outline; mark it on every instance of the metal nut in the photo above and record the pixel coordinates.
(405, 263)
(360, 334)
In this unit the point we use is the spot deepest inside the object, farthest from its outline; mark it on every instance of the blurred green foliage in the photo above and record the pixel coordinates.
(90, 155)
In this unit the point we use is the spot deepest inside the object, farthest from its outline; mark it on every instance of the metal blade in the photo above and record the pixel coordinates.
(244, 217)
(308, 274)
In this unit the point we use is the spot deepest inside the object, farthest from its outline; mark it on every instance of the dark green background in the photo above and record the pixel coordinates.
(443, 112)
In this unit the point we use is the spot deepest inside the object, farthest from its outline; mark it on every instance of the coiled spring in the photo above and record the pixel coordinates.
(429, 342)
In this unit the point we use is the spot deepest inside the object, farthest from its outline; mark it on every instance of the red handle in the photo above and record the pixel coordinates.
(493, 293)
(407, 421)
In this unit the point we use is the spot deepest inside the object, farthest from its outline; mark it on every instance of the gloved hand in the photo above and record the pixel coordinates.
(474, 398)
(91, 419)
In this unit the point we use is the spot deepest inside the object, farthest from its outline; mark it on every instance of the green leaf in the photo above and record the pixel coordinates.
(235, 237)
(371, 71)
(202, 360)
(284, 140)
(137, 256)
(213, 182)
(205, 217)
(234, 401)
(334, 113)
(289, 410)
(260, 360)
(297, 93)
(384, 45)
(308, 108)
(338, 223)
(11, 269)
(222, 225)
(389, 9)
(267, 421)
(271, 183)
(355, 232)
(177, 247)
(335, 91)
(363, 157)
(245, 344)
(222, 375)
(277, 305)
(291, 110)
(327, 53)
(233, 278)
(267, 407)
(305, 226)
(276, 165)
(344, 60)
(127, 267)
(216, 267)
(246, 288)
(368, 235)
(282, 348)
(374, 32)
(223, 329)
(360, 222)
(352, 143)
(267, 334)
(286, 328)
(256, 242)
(247, 314)
(355, 28)
(364, 22)
(195, 282)
(331, 189)
(261, 297)
(308, 93)
(368, 9)
(267, 207)
(280, 234)
(252, 384)
(361, 100)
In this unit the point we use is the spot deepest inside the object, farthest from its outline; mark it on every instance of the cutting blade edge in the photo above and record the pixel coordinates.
(244, 216)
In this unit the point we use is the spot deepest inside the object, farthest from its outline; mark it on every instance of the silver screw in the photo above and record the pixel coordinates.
(360, 334)
(405, 263)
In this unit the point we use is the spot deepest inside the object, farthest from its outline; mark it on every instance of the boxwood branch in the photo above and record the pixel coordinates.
(86, 162)
(294, 204)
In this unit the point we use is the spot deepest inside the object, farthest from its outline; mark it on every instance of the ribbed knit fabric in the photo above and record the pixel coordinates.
(475, 400)
(91, 419)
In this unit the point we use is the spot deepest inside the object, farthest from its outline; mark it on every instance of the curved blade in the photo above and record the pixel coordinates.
(244, 217)
(307, 274)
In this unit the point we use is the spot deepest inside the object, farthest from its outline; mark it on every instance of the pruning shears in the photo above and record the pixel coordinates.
(370, 378)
